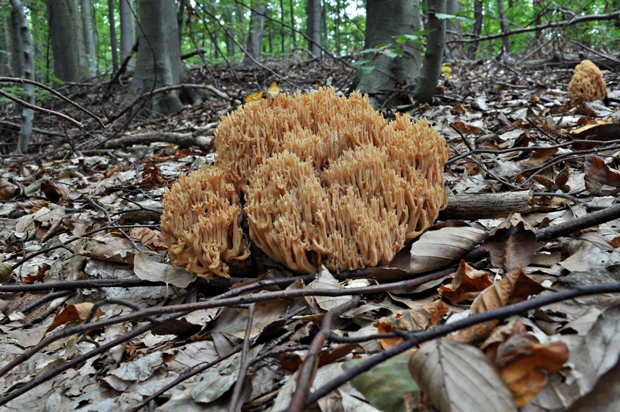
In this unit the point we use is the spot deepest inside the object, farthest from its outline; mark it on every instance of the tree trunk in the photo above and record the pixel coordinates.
(231, 47)
(431, 68)
(476, 30)
(452, 50)
(65, 25)
(385, 19)
(5, 67)
(24, 68)
(501, 10)
(257, 25)
(291, 5)
(159, 40)
(313, 26)
(89, 37)
(128, 31)
(113, 44)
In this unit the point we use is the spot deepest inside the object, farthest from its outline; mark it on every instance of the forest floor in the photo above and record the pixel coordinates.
(79, 236)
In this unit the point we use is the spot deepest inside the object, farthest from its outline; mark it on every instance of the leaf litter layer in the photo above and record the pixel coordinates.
(104, 320)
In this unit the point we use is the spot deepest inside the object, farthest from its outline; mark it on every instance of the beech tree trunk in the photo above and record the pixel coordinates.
(5, 67)
(158, 61)
(23, 66)
(113, 44)
(433, 56)
(128, 31)
(89, 36)
(313, 26)
(67, 35)
(257, 29)
(452, 50)
(476, 30)
(385, 19)
(501, 10)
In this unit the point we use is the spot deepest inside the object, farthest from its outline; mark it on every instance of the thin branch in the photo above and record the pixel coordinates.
(40, 109)
(244, 365)
(571, 22)
(417, 338)
(307, 370)
(55, 93)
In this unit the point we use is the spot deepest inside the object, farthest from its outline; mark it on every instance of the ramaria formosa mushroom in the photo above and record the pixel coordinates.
(325, 180)
(587, 84)
(201, 224)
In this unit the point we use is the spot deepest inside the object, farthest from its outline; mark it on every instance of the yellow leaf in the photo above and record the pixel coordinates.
(273, 90)
(254, 97)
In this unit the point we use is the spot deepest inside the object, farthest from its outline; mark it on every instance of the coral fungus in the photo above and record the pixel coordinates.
(325, 180)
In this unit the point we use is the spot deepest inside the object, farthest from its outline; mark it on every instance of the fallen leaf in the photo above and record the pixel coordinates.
(511, 244)
(459, 377)
(466, 284)
(598, 175)
(73, 313)
(147, 269)
(55, 192)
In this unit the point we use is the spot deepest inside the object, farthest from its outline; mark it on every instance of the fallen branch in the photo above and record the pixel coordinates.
(180, 139)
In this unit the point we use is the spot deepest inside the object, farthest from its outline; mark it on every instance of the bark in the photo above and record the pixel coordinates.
(113, 43)
(231, 47)
(504, 24)
(385, 19)
(67, 35)
(89, 36)
(313, 26)
(23, 67)
(431, 69)
(5, 68)
(257, 28)
(452, 48)
(128, 31)
(291, 5)
(158, 61)
(476, 30)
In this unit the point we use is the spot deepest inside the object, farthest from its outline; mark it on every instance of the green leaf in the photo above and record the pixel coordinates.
(367, 69)
(388, 386)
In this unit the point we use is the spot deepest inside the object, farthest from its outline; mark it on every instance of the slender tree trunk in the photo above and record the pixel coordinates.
(158, 61)
(5, 67)
(384, 20)
(89, 36)
(291, 5)
(504, 24)
(257, 28)
(313, 26)
(128, 31)
(452, 50)
(281, 31)
(24, 68)
(231, 47)
(67, 35)
(431, 67)
(113, 43)
(476, 30)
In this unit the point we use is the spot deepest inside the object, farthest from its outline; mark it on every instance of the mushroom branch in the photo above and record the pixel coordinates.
(310, 179)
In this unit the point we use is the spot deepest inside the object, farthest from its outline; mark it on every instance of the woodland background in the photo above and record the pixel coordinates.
(104, 104)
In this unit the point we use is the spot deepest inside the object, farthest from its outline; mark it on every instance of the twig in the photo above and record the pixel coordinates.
(40, 109)
(417, 338)
(307, 370)
(244, 366)
(50, 296)
(55, 93)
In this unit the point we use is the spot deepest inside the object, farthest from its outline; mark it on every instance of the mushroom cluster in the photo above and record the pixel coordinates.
(313, 179)
(587, 84)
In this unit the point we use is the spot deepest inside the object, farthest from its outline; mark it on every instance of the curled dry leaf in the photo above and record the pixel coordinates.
(466, 284)
(7, 189)
(598, 175)
(511, 244)
(523, 361)
(73, 313)
(459, 377)
(148, 237)
(420, 318)
(55, 192)
(493, 297)
(438, 248)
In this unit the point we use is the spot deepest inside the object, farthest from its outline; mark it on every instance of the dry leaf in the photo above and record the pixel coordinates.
(148, 237)
(511, 244)
(458, 377)
(7, 189)
(254, 97)
(493, 297)
(598, 175)
(466, 284)
(55, 192)
(146, 269)
(438, 248)
(420, 318)
(273, 91)
(73, 313)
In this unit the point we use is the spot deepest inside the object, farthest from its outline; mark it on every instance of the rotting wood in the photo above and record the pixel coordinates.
(486, 205)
